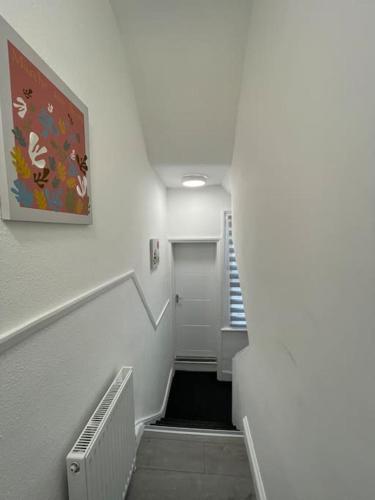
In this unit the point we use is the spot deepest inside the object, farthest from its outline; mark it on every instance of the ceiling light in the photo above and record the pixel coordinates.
(193, 181)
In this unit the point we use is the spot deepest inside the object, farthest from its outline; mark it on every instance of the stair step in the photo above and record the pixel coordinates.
(194, 424)
(162, 431)
(196, 359)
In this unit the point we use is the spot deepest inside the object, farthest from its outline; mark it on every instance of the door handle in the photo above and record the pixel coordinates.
(177, 298)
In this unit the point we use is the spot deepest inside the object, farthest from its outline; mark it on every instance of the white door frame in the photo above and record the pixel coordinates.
(218, 275)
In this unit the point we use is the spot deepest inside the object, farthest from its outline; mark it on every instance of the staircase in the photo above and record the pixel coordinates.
(198, 400)
(195, 451)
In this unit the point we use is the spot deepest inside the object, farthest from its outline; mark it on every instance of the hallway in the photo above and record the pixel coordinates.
(187, 242)
(173, 466)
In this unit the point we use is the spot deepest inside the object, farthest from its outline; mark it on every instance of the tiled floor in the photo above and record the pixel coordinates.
(182, 467)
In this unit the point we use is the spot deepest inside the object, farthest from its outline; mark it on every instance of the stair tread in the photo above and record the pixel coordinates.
(196, 424)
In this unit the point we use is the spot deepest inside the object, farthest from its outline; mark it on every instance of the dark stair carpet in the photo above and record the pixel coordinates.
(199, 400)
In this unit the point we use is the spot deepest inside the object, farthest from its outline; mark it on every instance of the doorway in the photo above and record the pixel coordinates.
(197, 398)
(197, 299)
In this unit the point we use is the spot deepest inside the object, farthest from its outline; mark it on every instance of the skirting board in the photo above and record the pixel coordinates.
(140, 423)
(254, 465)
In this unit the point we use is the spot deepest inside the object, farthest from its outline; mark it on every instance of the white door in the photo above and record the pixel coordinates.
(197, 299)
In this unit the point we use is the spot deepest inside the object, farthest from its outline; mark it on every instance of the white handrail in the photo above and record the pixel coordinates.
(19, 333)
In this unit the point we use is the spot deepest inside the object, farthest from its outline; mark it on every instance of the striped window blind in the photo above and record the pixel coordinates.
(237, 317)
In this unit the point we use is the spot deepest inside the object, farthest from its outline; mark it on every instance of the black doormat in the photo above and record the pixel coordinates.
(198, 399)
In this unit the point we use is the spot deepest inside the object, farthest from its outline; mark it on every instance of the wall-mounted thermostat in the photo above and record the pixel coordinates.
(154, 253)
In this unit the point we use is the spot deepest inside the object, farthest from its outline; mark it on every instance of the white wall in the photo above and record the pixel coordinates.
(303, 188)
(197, 212)
(52, 380)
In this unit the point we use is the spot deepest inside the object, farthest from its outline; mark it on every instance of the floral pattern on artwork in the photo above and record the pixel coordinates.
(49, 154)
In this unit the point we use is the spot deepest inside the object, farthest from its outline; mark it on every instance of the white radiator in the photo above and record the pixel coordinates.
(100, 464)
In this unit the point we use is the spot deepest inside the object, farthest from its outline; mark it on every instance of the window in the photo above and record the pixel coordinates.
(235, 313)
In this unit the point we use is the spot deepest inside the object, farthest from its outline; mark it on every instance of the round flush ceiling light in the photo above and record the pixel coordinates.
(193, 181)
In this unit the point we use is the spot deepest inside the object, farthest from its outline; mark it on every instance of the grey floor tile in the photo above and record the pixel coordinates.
(187, 456)
(214, 487)
(186, 469)
(148, 484)
(226, 459)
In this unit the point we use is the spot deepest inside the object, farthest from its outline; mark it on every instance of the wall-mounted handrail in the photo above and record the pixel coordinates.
(19, 333)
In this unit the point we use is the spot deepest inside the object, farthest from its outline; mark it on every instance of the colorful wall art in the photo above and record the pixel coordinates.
(44, 157)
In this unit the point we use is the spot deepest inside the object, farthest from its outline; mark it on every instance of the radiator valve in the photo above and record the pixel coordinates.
(74, 467)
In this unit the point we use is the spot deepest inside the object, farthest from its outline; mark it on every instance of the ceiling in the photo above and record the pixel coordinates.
(172, 175)
(186, 59)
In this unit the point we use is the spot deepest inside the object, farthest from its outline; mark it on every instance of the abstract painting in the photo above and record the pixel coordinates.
(44, 153)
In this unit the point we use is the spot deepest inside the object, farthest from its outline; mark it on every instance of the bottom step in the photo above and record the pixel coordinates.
(164, 431)
(195, 424)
